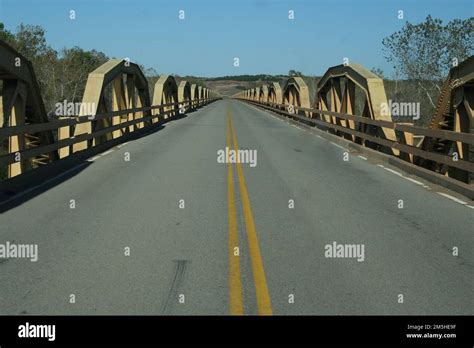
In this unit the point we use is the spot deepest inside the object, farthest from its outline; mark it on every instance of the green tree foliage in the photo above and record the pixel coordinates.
(61, 75)
(5, 35)
(294, 73)
(74, 65)
(425, 52)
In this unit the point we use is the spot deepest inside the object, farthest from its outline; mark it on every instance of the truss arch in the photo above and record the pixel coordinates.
(166, 92)
(21, 104)
(115, 85)
(184, 94)
(274, 93)
(343, 86)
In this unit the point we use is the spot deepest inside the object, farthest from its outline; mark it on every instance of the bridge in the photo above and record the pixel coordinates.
(189, 202)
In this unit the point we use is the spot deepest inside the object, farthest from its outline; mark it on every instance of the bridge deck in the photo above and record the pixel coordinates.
(185, 251)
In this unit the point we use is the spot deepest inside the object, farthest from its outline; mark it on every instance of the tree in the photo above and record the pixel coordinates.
(378, 72)
(30, 41)
(61, 75)
(6, 35)
(294, 73)
(426, 51)
(73, 67)
(149, 72)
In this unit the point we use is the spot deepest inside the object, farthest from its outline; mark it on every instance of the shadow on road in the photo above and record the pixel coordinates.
(19, 190)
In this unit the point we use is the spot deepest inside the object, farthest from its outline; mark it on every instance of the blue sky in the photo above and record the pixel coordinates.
(215, 31)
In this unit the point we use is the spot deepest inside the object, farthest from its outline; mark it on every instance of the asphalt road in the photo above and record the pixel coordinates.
(182, 260)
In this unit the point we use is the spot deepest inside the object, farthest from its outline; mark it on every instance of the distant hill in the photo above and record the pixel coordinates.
(229, 85)
(248, 78)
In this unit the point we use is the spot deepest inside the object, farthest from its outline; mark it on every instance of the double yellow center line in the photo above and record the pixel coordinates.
(264, 305)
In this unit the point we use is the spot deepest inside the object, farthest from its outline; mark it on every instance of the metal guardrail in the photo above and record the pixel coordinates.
(465, 138)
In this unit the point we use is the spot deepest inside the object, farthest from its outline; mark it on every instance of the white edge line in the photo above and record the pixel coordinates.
(402, 176)
(414, 181)
(457, 200)
(106, 153)
(92, 159)
(119, 146)
(339, 146)
(364, 158)
(394, 172)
